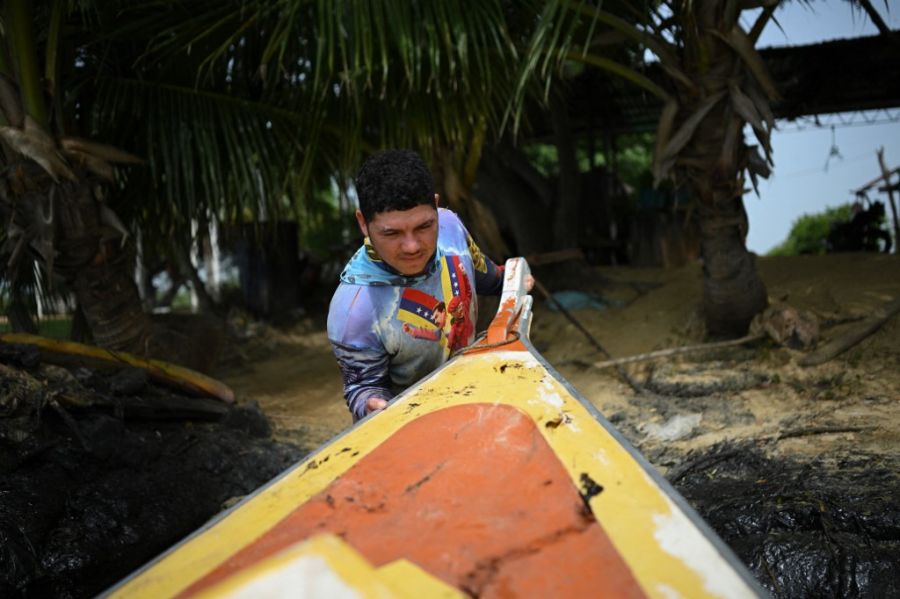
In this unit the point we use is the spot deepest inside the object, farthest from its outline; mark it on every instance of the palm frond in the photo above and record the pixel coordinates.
(205, 150)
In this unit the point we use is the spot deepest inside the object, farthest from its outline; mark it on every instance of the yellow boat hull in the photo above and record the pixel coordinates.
(492, 477)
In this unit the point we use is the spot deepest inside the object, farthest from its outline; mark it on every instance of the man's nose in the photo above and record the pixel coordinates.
(410, 244)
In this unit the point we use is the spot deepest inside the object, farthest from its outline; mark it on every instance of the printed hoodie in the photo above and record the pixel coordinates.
(389, 330)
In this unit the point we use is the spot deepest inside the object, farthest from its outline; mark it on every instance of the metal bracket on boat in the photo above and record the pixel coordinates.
(515, 304)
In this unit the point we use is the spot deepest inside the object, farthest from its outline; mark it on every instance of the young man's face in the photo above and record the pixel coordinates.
(405, 239)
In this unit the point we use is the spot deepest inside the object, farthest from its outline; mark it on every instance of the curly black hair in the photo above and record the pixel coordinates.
(393, 180)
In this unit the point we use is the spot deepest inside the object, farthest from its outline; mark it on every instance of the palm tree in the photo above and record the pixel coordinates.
(237, 110)
(242, 109)
(716, 82)
(52, 188)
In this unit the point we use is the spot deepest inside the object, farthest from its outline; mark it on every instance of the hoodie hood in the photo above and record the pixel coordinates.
(364, 270)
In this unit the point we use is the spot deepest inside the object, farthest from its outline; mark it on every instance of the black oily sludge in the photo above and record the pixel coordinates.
(80, 512)
(829, 527)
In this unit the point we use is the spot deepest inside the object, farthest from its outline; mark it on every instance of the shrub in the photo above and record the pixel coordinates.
(808, 233)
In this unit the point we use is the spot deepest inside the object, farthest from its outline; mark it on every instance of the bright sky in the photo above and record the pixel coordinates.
(800, 184)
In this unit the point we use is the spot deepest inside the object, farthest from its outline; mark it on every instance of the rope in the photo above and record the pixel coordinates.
(636, 387)
(474, 345)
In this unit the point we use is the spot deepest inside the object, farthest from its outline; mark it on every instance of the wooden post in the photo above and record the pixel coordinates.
(887, 181)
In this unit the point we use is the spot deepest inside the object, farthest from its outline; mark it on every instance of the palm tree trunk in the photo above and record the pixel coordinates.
(733, 292)
(478, 218)
(187, 272)
(565, 218)
(99, 271)
(516, 190)
(112, 307)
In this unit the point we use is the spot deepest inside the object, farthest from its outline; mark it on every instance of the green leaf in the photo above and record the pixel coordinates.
(620, 70)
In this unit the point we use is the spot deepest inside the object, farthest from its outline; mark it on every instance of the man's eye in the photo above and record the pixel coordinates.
(390, 234)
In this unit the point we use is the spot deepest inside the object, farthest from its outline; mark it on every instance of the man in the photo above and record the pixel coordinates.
(408, 297)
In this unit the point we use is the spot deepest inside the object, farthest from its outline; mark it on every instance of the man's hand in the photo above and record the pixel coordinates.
(373, 404)
(529, 283)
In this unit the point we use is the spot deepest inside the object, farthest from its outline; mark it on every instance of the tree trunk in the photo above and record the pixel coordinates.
(99, 271)
(565, 219)
(112, 307)
(513, 195)
(18, 315)
(478, 218)
(188, 272)
(733, 292)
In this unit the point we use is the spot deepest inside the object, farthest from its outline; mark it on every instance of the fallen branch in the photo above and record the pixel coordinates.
(554, 257)
(841, 344)
(171, 375)
(819, 430)
(664, 353)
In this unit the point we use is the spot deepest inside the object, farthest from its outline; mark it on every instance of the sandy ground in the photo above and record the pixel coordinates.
(850, 404)
(795, 467)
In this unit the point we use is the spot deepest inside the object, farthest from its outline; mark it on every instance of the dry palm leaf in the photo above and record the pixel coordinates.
(10, 104)
(102, 151)
(663, 132)
(96, 165)
(743, 46)
(35, 143)
(686, 131)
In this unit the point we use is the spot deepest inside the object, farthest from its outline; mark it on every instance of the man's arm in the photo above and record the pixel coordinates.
(360, 354)
(366, 380)
(488, 276)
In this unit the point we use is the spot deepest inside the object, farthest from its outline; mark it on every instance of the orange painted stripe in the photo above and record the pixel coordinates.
(475, 496)
(500, 327)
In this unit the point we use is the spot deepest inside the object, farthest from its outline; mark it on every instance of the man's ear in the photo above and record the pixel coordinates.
(361, 221)
(437, 201)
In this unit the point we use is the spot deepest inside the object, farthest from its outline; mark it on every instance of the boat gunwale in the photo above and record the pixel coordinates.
(705, 530)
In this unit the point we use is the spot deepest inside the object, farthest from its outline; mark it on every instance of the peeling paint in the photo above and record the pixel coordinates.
(678, 537)
(668, 592)
(306, 576)
(657, 546)
(552, 398)
(601, 457)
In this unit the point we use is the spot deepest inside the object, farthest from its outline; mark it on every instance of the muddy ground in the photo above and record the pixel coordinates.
(796, 468)
(99, 473)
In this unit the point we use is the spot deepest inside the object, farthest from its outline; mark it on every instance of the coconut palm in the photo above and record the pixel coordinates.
(221, 110)
(716, 84)
(242, 109)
